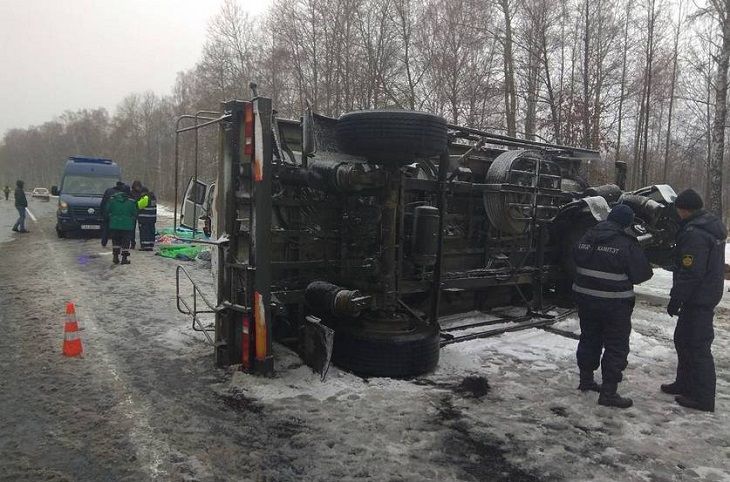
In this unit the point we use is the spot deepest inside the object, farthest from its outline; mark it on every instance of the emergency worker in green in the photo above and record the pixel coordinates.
(121, 212)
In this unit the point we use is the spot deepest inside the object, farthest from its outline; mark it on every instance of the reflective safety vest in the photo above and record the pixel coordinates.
(148, 213)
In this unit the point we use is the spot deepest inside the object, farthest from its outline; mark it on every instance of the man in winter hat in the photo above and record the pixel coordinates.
(697, 287)
(608, 263)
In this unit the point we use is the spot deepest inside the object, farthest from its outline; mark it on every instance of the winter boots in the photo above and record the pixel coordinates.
(587, 383)
(673, 388)
(688, 402)
(609, 397)
(115, 256)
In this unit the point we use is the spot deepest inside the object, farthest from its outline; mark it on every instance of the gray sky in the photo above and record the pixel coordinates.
(58, 55)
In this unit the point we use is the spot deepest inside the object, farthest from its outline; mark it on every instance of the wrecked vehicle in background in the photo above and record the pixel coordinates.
(356, 234)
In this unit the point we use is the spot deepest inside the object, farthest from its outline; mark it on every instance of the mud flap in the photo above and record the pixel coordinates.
(317, 341)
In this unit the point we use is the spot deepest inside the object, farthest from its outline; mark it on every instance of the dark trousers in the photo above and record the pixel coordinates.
(120, 241)
(20, 223)
(146, 235)
(605, 326)
(104, 233)
(695, 366)
(133, 236)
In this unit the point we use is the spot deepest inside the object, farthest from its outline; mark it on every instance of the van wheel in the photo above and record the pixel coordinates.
(391, 137)
(369, 352)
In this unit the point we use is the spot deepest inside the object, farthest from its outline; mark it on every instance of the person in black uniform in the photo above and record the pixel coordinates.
(609, 262)
(135, 195)
(147, 218)
(697, 287)
(104, 201)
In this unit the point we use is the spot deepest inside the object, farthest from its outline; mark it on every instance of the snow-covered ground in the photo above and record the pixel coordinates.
(146, 402)
(531, 413)
(165, 211)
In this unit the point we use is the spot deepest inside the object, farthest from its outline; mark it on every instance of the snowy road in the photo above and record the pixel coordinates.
(146, 403)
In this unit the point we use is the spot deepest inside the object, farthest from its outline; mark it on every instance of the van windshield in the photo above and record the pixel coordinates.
(87, 185)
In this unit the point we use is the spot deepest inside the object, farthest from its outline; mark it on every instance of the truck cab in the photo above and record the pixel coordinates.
(196, 209)
(83, 183)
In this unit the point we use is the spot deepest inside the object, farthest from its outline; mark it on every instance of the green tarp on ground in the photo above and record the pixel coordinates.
(183, 233)
(186, 252)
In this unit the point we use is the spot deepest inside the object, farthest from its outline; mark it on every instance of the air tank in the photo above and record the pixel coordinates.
(424, 240)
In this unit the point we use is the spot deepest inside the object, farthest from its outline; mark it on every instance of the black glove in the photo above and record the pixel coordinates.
(673, 307)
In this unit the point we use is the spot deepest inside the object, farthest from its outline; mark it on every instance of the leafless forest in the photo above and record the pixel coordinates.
(644, 81)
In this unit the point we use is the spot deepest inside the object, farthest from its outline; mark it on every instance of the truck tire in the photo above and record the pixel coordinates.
(60, 233)
(502, 207)
(391, 137)
(370, 353)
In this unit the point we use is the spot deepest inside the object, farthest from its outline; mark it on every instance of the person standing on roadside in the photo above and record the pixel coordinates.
(697, 288)
(147, 218)
(104, 201)
(20, 204)
(135, 195)
(7, 192)
(121, 215)
(608, 263)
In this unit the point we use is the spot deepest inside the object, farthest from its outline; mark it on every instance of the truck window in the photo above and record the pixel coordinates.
(87, 185)
(197, 194)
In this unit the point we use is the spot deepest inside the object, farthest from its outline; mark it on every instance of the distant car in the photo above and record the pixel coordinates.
(41, 193)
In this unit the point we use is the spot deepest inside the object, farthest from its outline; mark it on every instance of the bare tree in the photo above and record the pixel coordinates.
(624, 54)
(675, 61)
(510, 94)
(721, 12)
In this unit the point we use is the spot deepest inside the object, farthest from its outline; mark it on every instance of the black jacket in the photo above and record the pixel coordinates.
(105, 199)
(608, 264)
(699, 261)
(20, 200)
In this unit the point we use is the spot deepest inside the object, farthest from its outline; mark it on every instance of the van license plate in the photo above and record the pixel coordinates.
(90, 226)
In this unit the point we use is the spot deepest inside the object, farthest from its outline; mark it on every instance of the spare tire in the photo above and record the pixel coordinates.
(394, 137)
(508, 210)
(371, 353)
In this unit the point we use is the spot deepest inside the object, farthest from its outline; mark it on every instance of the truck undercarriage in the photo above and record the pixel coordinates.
(357, 234)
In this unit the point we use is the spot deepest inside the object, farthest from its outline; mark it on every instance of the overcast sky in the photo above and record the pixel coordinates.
(58, 55)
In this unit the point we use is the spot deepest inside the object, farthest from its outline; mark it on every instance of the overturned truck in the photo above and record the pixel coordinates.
(365, 230)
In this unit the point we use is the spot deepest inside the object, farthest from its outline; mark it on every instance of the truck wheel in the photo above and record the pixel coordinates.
(370, 353)
(509, 211)
(391, 136)
(60, 233)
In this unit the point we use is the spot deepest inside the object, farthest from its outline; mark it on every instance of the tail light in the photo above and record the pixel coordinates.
(246, 343)
(248, 129)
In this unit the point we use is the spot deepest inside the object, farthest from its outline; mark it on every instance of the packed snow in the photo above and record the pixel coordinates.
(147, 402)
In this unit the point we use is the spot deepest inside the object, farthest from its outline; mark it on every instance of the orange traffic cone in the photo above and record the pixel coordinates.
(71, 339)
